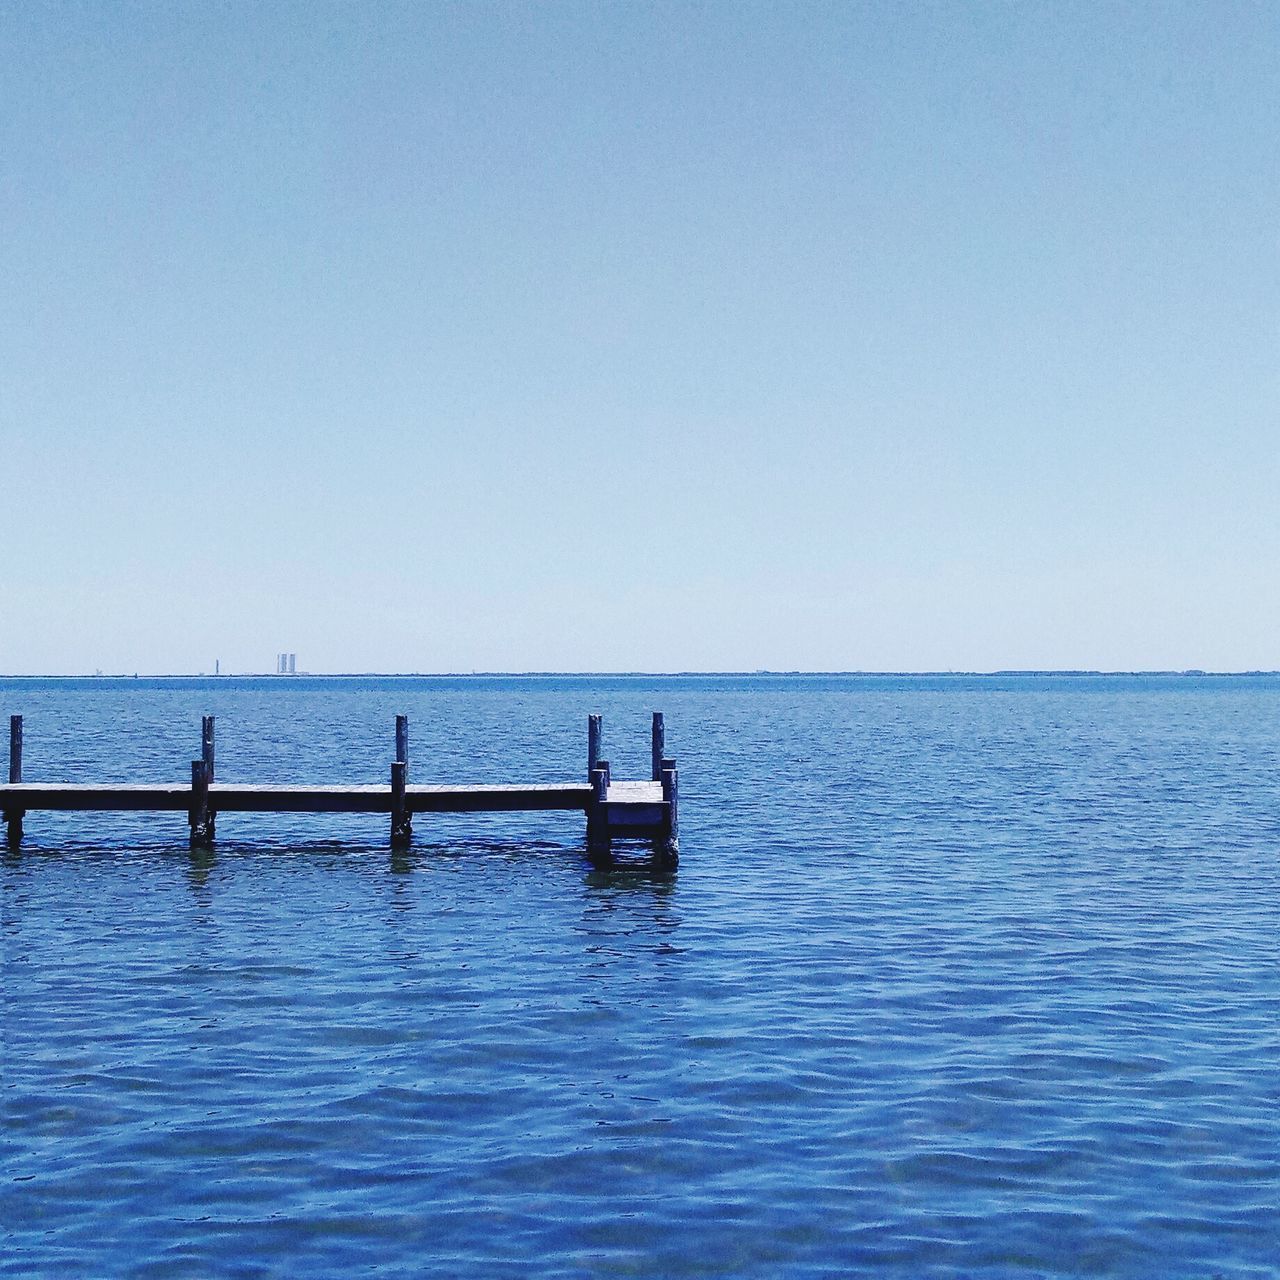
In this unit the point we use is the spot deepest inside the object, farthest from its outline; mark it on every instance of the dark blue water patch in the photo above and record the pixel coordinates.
(958, 976)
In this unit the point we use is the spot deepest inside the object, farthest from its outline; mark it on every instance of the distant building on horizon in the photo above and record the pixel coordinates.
(286, 664)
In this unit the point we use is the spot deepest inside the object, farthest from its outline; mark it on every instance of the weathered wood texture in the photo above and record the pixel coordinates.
(671, 794)
(199, 815)
(593, 744)
(236, 797)
(659, 744)
(634, 792)
(597, 825)
(206, 743)
(207, 759)
(401, 824)
(15, 748)
(629, 806)
(12, 813)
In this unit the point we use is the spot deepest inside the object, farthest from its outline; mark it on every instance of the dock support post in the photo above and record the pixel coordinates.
(401, 831)
(207, 755)
(598, 842)
(201, 823)
(593, 744)
(13, 817)
(206, 743)
(659, 744)
(401, 818)
(670, 778)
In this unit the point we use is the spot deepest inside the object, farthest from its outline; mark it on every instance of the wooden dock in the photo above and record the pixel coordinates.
(643, 810)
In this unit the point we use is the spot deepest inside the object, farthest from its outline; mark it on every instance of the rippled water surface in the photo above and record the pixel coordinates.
(957, 977)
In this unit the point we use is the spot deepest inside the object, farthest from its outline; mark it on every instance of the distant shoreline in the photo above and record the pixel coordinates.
(1066, 673)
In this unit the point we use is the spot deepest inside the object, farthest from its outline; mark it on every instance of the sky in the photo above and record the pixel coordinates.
(663, 337)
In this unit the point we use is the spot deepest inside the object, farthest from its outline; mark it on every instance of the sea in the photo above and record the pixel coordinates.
(957, 976)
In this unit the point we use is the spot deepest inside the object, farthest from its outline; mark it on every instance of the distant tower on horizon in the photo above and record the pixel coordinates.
(286, 664)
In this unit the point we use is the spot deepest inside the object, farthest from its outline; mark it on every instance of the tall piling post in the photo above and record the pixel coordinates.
(659, 744)
(593, 744)
(597, 824)
(670, 779)
(206, 743)
(13, 817)
(401, 818)
(199, 816)
(401, 831)
(207, 757)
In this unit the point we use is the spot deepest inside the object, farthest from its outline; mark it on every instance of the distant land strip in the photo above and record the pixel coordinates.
(1003, 673)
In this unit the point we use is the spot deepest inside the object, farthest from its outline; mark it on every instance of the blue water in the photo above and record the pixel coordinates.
(956, 977)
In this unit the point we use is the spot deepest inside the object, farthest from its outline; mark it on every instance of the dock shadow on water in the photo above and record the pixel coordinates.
(630, 864)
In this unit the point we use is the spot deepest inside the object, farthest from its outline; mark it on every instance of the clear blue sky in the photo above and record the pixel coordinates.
(601, 336)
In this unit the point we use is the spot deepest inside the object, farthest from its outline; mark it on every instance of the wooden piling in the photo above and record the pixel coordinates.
(201, 824)
(659, 744)
(207, 757)
(206, 743)
(670, 779)
(593, 744)
(401, 816)
(13, 817)
(597, 826)
(401, 830)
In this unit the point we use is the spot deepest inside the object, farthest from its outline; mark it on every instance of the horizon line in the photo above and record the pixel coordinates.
(650, 675)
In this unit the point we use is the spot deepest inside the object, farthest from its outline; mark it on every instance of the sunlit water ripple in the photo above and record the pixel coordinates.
(957, 977)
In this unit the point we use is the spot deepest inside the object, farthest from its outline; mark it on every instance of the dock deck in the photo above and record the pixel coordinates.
(233, 797)
(614, 809)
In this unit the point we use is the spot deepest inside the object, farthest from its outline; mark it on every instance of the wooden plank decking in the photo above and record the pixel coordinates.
(232, 797)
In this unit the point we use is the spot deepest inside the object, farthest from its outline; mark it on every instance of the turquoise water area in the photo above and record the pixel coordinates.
(957, 977)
